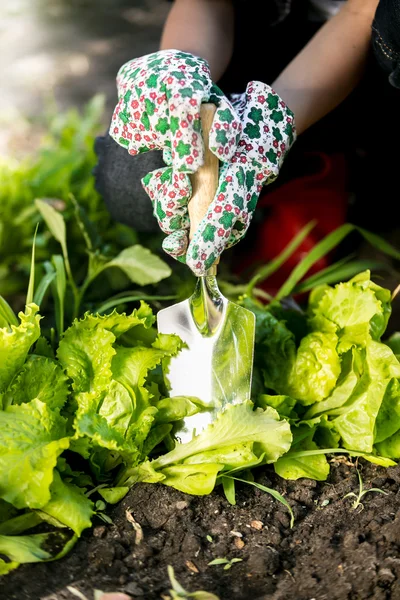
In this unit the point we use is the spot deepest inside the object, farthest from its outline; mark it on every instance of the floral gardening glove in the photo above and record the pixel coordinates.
(159, 108)
(268, 132)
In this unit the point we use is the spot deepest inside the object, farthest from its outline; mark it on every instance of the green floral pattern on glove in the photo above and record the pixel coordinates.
(268, 132)
(159, 108)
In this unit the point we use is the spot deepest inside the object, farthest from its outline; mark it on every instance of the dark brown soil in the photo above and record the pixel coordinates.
(332, 553)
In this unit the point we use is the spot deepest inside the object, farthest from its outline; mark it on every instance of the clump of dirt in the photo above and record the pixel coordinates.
(333, 552)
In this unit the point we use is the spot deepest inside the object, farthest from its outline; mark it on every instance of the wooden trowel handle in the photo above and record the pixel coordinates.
(205, 180)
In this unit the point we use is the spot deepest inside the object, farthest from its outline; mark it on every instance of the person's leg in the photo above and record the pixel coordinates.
(118, 179)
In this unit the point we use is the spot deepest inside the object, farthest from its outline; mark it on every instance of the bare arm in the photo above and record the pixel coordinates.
(203, 28)
(329, 66)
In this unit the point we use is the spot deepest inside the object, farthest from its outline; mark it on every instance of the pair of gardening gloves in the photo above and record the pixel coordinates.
(159, 108)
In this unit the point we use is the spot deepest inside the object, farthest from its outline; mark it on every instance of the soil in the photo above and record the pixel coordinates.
(333, 552)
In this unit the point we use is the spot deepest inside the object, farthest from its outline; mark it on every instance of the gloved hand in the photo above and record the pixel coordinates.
(268, 132)
(159, 108)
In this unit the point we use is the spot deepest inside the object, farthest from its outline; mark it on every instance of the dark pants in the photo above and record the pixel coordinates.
(361, 127)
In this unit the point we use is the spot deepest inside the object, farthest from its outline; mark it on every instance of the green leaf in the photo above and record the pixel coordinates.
(228, 485)
(388, 419)
(237, 424)
(198, 479)
(40, 378)
(125, 298)
(31, 284)
(339, 271)
(324, 247)
(272, 493)
(85, 353)
(15, 342)
(355, 420)
(316, 369)
(35, 548)
(356, 311)
(31, 439)
(394, 342)
(119, 323)
(113, 495)
(176, 408)
(54, 221)
(20, 524)
(351, 371)
(313, 467)
(318, 251)
(6, 567)
(140, 265)
(267, 270)
(69, 505)
(43, 286)
(7, 315)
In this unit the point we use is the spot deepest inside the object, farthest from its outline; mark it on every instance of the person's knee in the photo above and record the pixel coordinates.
(118, 180)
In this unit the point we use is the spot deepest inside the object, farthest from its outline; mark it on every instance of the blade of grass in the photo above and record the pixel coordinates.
(117, 300)
(339, 271)
(271, 267)
(272, 493)
(58, 288)
(6, 313)
(325, 246)
(31, 284)
(43, 286)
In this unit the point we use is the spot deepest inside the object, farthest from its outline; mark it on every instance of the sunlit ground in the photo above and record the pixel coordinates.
(68, 50)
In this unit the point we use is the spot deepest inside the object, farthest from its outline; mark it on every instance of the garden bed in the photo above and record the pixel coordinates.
(333, 552)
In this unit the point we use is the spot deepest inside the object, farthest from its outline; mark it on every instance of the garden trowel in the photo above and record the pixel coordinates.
(216, 366)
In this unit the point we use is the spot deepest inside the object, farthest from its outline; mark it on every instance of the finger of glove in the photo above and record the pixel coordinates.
(185, 137)
(225, 130)
(228, 217)
(176, 243)
(218, 228)
(169, 192)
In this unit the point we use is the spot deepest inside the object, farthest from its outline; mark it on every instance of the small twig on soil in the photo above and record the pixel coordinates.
(136, 526)
(76, 592)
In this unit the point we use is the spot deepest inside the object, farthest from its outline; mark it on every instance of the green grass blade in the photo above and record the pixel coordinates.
(31, 284)
(339, 271)
(267, 270)
(272, 493)
(319, 251)
(7, 314)
(58, 288)
(43, 286)
(379, 243)
(122, 299)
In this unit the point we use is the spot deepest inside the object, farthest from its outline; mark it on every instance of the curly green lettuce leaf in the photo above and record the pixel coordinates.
(390, 447)
(36, 548)
(316, 369)
(85, 352)
(295, 467)
(198, 479)
(69, 505)
(388, 419)
(284, 405)
(113, 495)
(276, 352)
(237, 425)
(15, 342)
(355, 420)
(357, 311)
(120, 323)
(31, 438)
(41, 378)
(6, 567)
